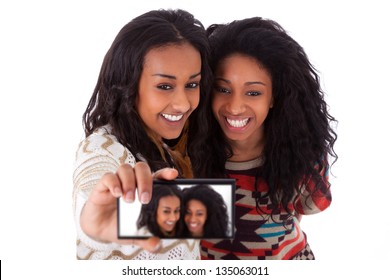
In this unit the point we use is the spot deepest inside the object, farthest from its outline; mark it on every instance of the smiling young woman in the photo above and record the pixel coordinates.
(272, 133)
(152, 87)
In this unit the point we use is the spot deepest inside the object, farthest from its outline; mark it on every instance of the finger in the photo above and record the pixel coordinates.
(127, 178)
(166, 174)
(111, 182)
(152, 244)
(144, 179)
(106, 190)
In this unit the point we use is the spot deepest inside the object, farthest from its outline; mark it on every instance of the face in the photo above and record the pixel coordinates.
(169, 89)
(195, 217)
(242, 98)
(168, 213)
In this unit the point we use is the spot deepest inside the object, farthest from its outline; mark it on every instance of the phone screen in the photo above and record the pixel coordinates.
(182, 208)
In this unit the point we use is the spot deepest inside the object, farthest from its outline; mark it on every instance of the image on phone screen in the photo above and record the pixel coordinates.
(182, 208)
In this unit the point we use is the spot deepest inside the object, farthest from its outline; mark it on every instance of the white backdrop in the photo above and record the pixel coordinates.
(51, 53)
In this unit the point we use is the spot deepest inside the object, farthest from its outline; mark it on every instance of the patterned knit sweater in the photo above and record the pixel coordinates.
(258, 236)
(98, 154)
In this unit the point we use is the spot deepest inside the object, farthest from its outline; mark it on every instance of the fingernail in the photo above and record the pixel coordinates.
(156, 248)
(117, 191)
(145, 197)
(129, 196)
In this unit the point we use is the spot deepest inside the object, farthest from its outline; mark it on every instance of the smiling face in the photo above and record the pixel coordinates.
(168, 213)
(242, 98)
(169, 89)
(195, 217)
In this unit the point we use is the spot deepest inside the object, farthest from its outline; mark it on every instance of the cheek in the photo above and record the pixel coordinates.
(263, 113)
(160, 218)
(177, 216)
(194, 100)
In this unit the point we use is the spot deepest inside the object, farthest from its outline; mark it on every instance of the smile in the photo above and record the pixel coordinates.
(172, 118)
(238, 123)
(193, 225)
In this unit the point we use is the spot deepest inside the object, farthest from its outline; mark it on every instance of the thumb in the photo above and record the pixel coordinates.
(166, 174)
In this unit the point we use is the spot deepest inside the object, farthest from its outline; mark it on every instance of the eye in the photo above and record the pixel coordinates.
(164, 87)
(192, 85)
(221, 90)
(253, 93)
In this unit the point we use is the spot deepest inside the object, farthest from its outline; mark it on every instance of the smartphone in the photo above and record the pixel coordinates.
(181, 208)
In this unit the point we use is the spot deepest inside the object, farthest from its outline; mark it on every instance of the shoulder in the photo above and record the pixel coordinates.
(101, 142)
(144, 231)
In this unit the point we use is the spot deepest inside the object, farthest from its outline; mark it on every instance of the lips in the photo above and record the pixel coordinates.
(172, 118)
(193, 225)
(237, 123)
(170, 224)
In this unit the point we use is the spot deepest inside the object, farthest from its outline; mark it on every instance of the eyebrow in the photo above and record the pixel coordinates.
(174, 77)
(168, 207)
(246, 83)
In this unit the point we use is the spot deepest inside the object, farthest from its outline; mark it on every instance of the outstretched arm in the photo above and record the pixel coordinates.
(99, 216)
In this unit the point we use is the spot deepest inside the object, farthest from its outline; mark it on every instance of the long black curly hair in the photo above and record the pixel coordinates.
(299, 136)
(113, 100)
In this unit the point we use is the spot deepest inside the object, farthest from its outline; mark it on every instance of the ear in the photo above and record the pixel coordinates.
(271, 105)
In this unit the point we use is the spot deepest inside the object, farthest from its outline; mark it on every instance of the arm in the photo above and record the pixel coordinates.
(99, 216)
(315, 197)
(104, 171)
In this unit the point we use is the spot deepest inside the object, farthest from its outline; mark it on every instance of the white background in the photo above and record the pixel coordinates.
(50, 57)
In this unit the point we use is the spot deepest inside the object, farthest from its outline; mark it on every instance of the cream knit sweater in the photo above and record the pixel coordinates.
(96, 155)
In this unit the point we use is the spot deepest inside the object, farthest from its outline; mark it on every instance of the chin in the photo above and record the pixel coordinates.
(171, 136)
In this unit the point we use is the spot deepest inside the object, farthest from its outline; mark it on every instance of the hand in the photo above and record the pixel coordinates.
(99, 215)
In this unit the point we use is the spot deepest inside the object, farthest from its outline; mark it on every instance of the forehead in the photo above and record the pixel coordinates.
(196, 204)
(243, 68)
(173, 58)
(169, 201)
(242, 59)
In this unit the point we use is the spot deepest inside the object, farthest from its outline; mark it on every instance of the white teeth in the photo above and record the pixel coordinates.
(172, 118)
(238, 123)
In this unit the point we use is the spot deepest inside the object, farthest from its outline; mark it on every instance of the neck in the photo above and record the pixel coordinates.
(168, 233)
(245, 150)
(197, 234)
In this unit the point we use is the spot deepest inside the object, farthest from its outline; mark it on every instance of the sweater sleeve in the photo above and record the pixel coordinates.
(96, 155)
(315, 199)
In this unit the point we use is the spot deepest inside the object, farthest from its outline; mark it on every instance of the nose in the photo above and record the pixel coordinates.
(174, 217)
(188, 218)
(192, 218)
(181, 102)
(235, 105)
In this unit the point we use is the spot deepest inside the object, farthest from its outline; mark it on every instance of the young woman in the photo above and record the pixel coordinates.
(272, 134)
(205, 212)
(152, 86)
(162, 215)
